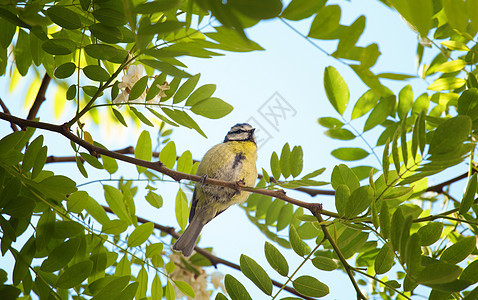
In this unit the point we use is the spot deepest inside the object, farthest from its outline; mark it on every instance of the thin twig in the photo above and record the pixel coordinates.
(5, 110)
(40, 97)
(208, 255)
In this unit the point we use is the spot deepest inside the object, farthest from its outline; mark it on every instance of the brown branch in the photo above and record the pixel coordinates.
(208, 255)
(39, 98)
(342, 259)
(130, 150)
(439, 187)
(158, 166)
(5, 110)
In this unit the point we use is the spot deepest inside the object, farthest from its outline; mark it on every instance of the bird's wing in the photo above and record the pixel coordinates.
(194, 202)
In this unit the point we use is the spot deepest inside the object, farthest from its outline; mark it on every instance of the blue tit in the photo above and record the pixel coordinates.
(232, 160)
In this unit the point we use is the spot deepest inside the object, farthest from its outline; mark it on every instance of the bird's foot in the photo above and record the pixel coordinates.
(203, 179)
(239, 184)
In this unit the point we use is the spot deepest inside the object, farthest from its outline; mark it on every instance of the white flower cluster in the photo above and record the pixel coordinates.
(133, 74)
(198, 282)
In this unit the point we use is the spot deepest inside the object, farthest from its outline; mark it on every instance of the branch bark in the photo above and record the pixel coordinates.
(158, 166)
(40, 98)
(211, 257)
(5, 110)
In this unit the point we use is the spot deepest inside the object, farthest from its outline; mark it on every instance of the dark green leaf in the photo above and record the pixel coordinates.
(186, 89)
(61, 255)
(309, 286)
(276, 259)
(202, 93)
(65, 70)
(256, 274)
(119, 117)
(64, 17)
(343, 175)
(469, 196)
(141, 117)
(106, 34)
(301, 9)
(110, 16)
(430, 233)
(384, 260)
(59, 46)
(299, 246)
(157, 6)
(438, 273)
(96, 73)
(185, 288)
(235, 289)
(459, 251)
(324, 263)
(165, 67)
(450, 134)
(275, 165)
(342, 195)
(138, 89)
(75, 275)
(358, 201)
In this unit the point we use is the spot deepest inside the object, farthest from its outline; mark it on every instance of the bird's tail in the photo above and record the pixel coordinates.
(188, 239)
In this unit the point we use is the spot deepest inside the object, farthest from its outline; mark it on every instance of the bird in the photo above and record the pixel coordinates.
(232, 160)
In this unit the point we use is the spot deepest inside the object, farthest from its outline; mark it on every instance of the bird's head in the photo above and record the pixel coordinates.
(241, 132)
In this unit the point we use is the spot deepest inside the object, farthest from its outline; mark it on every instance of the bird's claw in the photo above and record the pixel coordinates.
(239, 184)
(203, 179)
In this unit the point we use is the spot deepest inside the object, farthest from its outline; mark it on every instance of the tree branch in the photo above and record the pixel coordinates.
(5, 110)
(211, 257)
(40, 97)
(158, 166)
(342, 259)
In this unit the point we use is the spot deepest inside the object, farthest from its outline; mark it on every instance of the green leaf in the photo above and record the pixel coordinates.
(349, 154)
(296, 161)
(156, 288)
(75, 275)
(165, 67)
(258, 10)
(275, 165)
(384, 260)
(285, 160)
(470, 273)
(469, 196)
(31, 153)
(430, 233)
(168, 155)
(298, 245)
(119, 117)
(326, 22)
(115, 227)
(468, 103)
(140, 234)
(160, 28)
(340, 134)
(138, 89)
(438, 273)
(157, 6)
(285, 216)
(447, 83)
(107, 34)
(342, 194)
(100, 51)
(143, 149)
(342, 174)
(418, 13)
(181, 209)
(459, 251)
(185, 288)
(61, 255)
(202, 93)
(142, 280)
(379, 114)
(113, 288)
(310, 286)
(301, 9)
(65, 70)
(364, 104)
(336, 89)
(450, 134)
(22, 52)
(405, 101)
(276, 259)
(96, 73)
(154, 199)
(413, 254)
(451, 66)
(71, 92)
(23, 260)
(93, 161)
(114, 198)
(324, 263)
(329, 122)
(212, 108)
(110, 16)
(59, 46)
(64, 17)
(358, 201)
(140, 116)
(186, 89)
(256, 274)
(235, 289)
